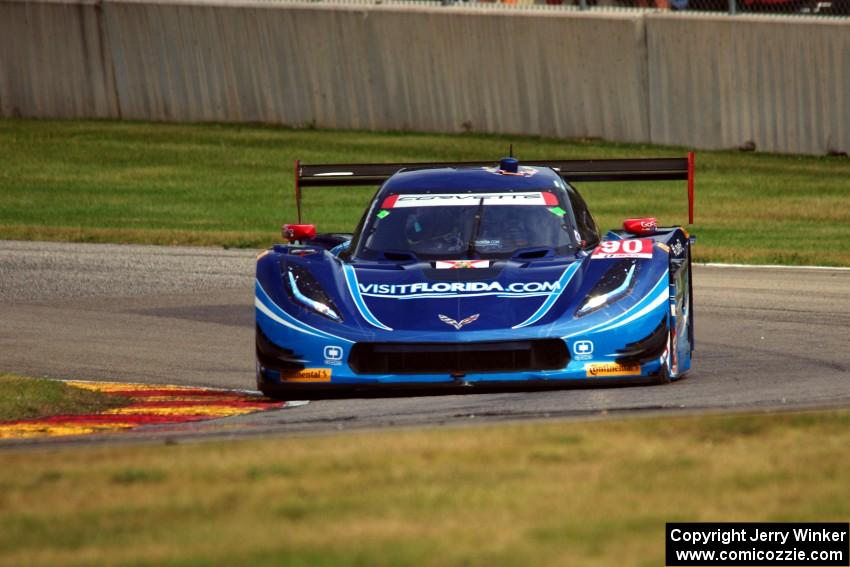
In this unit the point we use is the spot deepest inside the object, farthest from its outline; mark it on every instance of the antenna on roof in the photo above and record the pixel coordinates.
(511, 150)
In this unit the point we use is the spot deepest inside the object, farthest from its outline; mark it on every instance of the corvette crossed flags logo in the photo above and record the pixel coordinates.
(457, 325)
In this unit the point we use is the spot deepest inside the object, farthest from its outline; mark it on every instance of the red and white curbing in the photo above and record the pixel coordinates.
(149, 404)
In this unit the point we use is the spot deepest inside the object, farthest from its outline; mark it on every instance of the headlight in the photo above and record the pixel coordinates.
(614, 285)
(307, 291)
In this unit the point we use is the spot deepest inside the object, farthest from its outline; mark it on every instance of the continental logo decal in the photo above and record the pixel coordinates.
(611, 369)
(308, 375)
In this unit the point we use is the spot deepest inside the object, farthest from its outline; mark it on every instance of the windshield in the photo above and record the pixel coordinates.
(469, 225)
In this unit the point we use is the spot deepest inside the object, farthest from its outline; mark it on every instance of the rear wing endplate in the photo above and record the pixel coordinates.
(574, 170)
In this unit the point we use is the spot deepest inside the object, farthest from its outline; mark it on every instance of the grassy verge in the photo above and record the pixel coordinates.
(592, 493)
(231, 185)
(27, 398)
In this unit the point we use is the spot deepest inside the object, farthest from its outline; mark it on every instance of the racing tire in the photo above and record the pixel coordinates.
(663, 376)
(265, 388)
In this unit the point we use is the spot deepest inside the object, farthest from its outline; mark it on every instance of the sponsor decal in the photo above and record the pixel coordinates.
(522, 171)
(458, 324)
(612, 369)
(469, 199)
(678, 248)
(453, 289)
(458, 264)
(583, 350)
(663, 246)
(640, 226)
(303, 251)
(308, 375)
(641, 248)
(333, 354)
(382, 213)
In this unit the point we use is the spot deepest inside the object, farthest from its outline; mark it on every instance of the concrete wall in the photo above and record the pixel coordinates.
(625, 77)
(53, 61)
(380, 68)
(718, 82)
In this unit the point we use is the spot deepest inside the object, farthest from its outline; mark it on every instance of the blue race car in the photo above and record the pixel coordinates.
(475, 274)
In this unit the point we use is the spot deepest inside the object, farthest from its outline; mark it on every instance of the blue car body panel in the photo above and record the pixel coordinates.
(644, 333)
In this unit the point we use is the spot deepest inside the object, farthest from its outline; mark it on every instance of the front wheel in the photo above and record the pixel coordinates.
(664, 375)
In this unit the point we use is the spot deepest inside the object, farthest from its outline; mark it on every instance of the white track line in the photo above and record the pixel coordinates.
(771, 267)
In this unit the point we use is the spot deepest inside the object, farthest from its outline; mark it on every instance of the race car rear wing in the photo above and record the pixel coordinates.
(573, 170)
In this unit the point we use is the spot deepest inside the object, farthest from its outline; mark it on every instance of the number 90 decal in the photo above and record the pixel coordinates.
(641, 248)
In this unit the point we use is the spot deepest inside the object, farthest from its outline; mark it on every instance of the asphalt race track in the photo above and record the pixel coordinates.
(766, 338)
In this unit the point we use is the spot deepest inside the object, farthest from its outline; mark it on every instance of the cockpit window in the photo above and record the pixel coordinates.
(584, 220)
(468, 225)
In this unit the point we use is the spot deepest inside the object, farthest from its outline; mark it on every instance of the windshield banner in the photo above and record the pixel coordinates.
(469, 199)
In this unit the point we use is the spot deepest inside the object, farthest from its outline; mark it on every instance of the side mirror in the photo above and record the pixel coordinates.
(642, 226)
(298, 232)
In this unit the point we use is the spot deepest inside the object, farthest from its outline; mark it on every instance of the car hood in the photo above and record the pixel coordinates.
(423, 298)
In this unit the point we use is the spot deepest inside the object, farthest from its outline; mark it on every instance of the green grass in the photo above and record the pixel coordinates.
(26, 398)
(549, 493)
(231, 185)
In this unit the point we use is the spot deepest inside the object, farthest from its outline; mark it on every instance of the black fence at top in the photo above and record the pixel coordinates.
(778, 7)
(786, 7)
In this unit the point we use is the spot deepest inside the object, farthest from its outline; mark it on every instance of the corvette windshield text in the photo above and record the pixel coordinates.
(453, 288)
(469, 199)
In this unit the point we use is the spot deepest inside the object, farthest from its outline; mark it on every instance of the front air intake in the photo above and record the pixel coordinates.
(649, 348)
(458, 358)
(275, 357)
